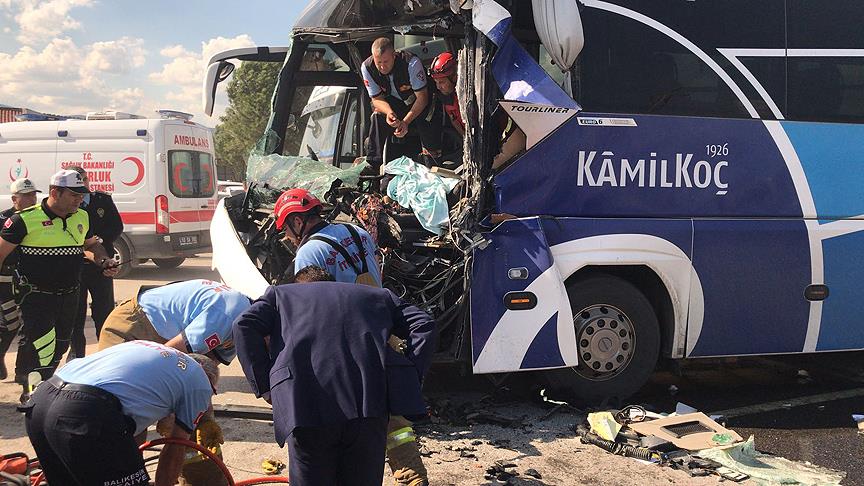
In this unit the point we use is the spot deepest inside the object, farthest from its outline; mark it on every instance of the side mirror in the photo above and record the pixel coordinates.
(216, 73)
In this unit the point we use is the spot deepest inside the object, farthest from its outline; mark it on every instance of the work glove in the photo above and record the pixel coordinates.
(209, 435)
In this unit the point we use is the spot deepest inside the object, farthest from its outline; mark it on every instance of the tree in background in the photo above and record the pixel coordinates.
(249, 93)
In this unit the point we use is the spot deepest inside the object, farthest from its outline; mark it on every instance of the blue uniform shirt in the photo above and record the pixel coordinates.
(202, 310)
(150, 380)
(320, 254)
(416, 75)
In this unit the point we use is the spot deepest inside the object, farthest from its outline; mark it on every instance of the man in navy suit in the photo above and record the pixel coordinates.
(330, 373)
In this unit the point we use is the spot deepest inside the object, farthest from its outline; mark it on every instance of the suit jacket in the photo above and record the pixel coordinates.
(329, 360)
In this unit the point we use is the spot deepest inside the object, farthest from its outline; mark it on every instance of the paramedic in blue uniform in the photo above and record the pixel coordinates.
(52, 237)
(105, 223)
(332, 247)
(331, 375)
(83, 420)
(194, 316)
(23, 196)
(401, 100)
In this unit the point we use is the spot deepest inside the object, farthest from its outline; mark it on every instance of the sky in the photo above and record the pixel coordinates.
(76, 56)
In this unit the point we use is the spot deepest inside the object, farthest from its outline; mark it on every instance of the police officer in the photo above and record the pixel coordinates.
(52, 237)
(331, 375)
(83, 420)
(105, 224)
(396, 82)
(23, 196)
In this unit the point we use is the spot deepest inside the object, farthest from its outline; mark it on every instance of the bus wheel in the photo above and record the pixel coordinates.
(123, 257)
(618, 338)
(169, 262)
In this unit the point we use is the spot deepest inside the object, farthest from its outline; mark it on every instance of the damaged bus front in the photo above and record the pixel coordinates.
(689, 214)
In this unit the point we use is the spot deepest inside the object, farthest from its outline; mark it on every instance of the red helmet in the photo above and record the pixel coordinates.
(443, 66)
(293, 201)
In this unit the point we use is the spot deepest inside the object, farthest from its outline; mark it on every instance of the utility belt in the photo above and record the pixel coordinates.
(21, 288)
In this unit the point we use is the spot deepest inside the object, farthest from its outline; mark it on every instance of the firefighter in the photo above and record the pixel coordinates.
(348, 253)
(105, 223)
(332, 376)
(83, 420)
(193, 317)
(23, 196)
(52, 237)
(443, 72)
(396, 82)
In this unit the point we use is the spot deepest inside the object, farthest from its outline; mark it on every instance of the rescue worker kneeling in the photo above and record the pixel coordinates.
(82, 422)
(331, 374)
(194, 317)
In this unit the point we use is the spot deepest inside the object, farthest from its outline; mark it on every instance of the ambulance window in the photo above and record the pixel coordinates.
(190, 174)
(320, 57)
(206, 183)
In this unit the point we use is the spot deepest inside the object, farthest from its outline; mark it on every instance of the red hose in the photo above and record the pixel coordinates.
(216, 460)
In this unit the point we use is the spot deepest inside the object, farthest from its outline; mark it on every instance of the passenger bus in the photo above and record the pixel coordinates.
(694, 189)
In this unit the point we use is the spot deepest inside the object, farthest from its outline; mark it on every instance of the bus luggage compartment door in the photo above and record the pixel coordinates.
(520, 313)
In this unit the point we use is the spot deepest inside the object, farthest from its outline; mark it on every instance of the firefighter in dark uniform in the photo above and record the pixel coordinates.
(401, 99)
(105, 223)
(23, 196)
(51, 237)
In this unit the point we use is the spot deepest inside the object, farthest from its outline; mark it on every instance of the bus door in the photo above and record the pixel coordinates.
(516, 292)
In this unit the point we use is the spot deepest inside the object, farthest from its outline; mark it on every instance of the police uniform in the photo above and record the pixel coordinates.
(331, 375)
(51, 251)
(105, 223)
(10, 315)
(83, 421)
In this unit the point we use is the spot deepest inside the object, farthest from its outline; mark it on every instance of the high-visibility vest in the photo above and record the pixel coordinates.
(53, 237)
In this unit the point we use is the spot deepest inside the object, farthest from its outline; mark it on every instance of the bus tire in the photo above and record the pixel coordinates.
(618, 337)
(169, 262)
(123, 257)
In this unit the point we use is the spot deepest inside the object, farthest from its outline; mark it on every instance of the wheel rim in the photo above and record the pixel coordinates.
(606, 341)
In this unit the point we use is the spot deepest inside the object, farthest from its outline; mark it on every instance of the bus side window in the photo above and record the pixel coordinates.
(628, 67)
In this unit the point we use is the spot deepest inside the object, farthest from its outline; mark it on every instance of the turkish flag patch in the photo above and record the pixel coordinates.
(8, 223)
(212, 341)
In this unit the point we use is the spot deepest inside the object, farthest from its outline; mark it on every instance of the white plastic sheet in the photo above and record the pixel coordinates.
(560, 29)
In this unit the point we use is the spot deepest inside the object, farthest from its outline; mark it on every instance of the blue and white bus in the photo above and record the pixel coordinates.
(698, 193)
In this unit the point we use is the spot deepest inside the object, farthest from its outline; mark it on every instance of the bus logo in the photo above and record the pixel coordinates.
(680, 171)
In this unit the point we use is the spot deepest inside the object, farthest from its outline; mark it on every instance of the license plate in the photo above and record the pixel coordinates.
(187, 240)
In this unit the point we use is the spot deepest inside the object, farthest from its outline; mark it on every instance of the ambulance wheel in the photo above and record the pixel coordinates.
(169, 262)
(123, 257)
(618, 339)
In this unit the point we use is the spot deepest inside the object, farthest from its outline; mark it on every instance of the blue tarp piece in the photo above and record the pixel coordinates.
(423, 192)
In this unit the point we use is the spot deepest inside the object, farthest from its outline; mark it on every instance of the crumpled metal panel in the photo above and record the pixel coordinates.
(353, 14)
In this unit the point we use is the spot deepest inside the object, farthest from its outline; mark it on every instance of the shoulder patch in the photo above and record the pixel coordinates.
(8, 223)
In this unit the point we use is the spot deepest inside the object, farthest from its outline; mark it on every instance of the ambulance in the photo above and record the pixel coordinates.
(160, 171)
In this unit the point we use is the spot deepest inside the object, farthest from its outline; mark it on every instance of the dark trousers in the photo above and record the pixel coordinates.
(101, 290)
(81, 436)
(10, 317)
(428, 126)
(46, 328)
(338, 455)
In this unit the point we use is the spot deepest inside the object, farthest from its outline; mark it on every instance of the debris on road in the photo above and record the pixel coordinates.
(859, 419)
(272, 466)
(690, 441)
(499, 471)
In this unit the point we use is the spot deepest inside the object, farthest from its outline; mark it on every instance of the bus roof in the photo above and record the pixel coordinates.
(341, 16)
